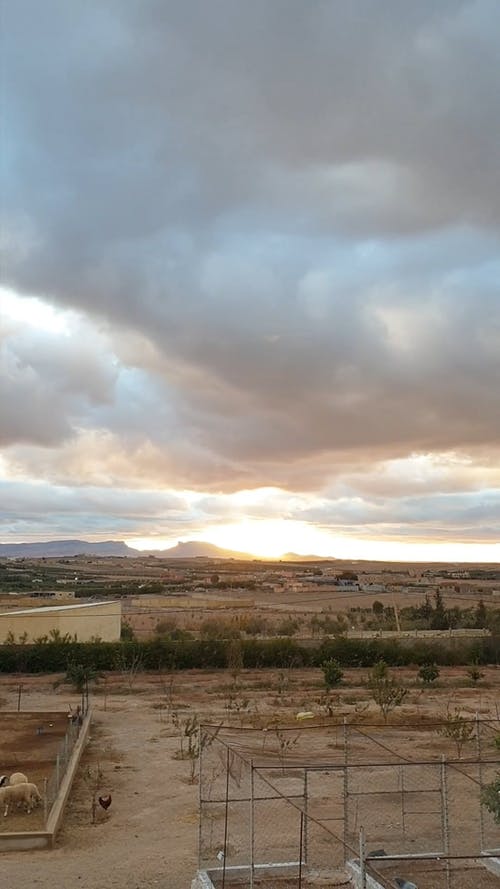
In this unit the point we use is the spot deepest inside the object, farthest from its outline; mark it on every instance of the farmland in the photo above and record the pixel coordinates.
(136, 739)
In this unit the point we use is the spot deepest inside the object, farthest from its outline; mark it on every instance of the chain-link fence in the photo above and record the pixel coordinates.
(61, 762)
(392, 799)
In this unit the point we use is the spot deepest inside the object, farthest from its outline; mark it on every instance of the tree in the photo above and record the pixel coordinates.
(386, 691)
(425, 610)
(80, 676)
(474, 673)
(439, 620)
(481, 615)
(127, 634)
(428, 673)
(457, 728)
(490, 798)
(378, 608)
(234, 655)
(332, 673)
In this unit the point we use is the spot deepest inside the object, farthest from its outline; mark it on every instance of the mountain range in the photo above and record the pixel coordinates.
(189, 549)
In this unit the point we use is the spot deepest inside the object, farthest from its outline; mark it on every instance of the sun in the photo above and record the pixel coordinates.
(271, 538)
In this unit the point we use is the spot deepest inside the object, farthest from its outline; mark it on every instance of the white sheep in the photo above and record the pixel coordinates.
(18, 778)
(16, 794)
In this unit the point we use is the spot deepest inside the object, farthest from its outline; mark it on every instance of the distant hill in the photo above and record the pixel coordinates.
(295, 557)
(56, 548)
(196, 549)
(188, 549)
(191, 549)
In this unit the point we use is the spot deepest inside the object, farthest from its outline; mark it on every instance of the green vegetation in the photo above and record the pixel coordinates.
(457, 728)
(386, 691)
(490, 798)
(332, 672)
(53, 655)
(428, 673)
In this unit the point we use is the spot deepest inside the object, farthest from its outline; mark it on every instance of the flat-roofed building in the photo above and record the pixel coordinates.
(86, 621)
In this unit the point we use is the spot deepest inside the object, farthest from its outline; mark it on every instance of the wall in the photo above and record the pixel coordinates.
(95, 620)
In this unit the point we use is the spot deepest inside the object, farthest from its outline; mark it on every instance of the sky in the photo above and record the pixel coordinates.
(250, 275)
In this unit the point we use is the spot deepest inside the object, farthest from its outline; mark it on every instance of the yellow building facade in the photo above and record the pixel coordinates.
(86, 621)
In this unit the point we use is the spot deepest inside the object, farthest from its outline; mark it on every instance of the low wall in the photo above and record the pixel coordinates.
(44, 839)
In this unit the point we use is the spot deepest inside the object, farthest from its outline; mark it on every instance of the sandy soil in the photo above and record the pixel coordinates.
(29, 743)
(149, 835)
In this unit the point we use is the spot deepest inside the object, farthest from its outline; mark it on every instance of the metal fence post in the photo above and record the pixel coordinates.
(445, 828)
(480, 769)
(45, 801)
(301, 837)
(252, 824)
(362, 866)
(226, 822)
(306, 794)
(346, 786)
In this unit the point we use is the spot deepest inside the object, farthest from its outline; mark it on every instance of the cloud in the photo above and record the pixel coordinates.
(271, 235)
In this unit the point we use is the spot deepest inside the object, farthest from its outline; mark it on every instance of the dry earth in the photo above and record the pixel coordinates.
(148, 837)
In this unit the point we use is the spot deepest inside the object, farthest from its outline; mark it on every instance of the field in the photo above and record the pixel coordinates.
(29, 743)
(149, 835)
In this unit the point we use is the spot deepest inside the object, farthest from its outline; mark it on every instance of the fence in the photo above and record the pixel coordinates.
(392, 799)
(62, 759)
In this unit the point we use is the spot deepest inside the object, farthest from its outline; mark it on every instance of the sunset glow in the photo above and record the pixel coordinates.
(236, 306)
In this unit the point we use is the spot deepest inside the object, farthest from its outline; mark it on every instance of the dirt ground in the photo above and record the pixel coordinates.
(29, 743)
(149, 835)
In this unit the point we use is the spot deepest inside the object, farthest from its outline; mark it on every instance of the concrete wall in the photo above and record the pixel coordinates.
(95, 620)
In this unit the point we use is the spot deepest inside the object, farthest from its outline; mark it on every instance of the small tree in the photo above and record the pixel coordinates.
(490, 798)
(332, 672)
(457, 728)
(80, 676)
(234, 655)
(481, 615)
(474, 674)
(428, 673)
(286, 743)
(378, 608)
(386, 691)
(127, 633)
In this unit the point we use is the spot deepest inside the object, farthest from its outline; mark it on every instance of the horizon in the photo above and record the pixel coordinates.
(144, 545)
(250, 277)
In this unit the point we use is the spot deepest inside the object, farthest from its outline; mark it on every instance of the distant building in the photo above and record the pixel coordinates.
(86, 621)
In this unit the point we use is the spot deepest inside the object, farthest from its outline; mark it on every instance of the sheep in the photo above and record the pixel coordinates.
(18, 778)
(19, 793)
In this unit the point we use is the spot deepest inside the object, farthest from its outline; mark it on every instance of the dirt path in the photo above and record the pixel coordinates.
(149, 836)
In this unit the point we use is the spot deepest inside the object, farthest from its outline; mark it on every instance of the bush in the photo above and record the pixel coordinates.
(386, 692)
(175, 651)
(428, 673)
(332, 672)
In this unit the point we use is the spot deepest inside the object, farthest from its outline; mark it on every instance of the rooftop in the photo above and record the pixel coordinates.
(44, 609)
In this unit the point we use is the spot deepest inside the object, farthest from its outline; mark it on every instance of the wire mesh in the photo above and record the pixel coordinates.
(298, 797)
(62, 758)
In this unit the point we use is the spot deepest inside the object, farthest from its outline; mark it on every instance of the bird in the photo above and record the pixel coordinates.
(105, 801)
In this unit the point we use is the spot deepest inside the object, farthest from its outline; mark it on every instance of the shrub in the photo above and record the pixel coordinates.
(428, 673)
(332, 672)
(386, 691)
(457, 728)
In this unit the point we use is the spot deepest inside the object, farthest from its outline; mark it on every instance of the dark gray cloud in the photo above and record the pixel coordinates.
(279, 224)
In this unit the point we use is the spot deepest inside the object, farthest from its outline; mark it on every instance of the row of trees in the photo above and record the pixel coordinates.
(53, 655)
